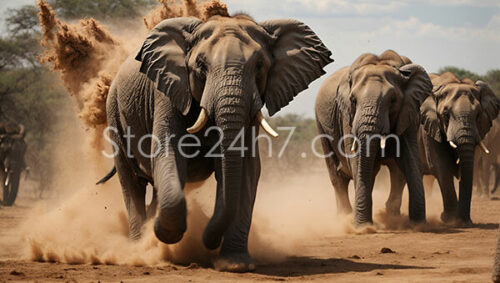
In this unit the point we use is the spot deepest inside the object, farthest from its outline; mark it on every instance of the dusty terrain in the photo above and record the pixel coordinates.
(299, 238)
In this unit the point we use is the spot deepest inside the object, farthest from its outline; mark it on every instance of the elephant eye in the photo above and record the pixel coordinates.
(201, 64)
(446, 113)
(259, 65)
(353, 101)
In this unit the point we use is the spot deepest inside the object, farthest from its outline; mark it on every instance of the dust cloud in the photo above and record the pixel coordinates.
(88, 224)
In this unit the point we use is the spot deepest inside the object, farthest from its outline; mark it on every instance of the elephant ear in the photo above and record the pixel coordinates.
(490, 105)
(417, 87)
(430, 119)
(298, 59)
(163, 58)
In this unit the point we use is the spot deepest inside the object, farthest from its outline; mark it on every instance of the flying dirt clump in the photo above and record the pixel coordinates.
(88, 56)
(188, 8)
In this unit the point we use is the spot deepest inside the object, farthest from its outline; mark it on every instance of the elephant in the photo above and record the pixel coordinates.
(368, 115)
(205, 81)
(487, 167)
(12, 163)
(455, 119)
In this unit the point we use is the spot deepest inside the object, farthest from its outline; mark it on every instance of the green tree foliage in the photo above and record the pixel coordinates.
(492, 77)
(461, 73)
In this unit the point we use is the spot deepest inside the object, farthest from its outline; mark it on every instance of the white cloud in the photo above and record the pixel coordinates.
(415, 27)
(348, 7)
(482, 3)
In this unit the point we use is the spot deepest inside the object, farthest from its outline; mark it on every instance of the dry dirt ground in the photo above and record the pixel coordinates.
(443, 254)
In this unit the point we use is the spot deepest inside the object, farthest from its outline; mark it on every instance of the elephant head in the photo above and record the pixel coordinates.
(382, 95)
(460, 114)
(230, 67)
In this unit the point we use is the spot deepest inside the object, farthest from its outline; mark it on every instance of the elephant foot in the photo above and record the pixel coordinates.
(393, 211)
(168, 236)
(465, 223)
(447, 217)
(237, 263)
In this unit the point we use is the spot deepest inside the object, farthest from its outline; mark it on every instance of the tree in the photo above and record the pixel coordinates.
(493, 78)
(461, 73)
(28, 94)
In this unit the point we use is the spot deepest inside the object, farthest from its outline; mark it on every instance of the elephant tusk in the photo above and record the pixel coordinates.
(200, 123)
(452, 144)
(382, 142)
(265, 125)
(484, 148)
(354, 146)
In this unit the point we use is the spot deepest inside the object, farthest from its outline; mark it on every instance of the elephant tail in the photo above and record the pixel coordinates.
(108, 176)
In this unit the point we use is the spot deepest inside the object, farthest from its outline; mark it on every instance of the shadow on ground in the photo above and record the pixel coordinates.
(301, 266)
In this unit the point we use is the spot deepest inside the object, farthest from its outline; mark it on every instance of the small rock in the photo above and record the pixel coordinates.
(387, 251)
(379, 273)
(146, 273)
(16, 273)
(192, 266)
(355, 257)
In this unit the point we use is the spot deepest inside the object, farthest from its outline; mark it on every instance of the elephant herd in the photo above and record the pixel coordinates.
(207, 82)
(12, 150)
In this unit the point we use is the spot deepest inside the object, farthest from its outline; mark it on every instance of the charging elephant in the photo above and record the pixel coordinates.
(12, 150)
(487, 166)
(371, 105)
(190, 76)
(455, 119)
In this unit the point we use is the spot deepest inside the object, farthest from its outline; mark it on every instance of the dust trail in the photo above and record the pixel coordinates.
(88, 56)
(188, 8)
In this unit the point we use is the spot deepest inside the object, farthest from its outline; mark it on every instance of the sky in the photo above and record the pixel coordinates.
(462, 33)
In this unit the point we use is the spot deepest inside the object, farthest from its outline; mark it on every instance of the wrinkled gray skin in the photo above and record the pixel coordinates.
(487, 167)
(461, 112)
(12, 150)
(375, 95)
(231, 67)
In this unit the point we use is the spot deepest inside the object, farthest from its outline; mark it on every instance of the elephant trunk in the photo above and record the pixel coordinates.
(368, 127)
(231, 111)
(466, 155)
(466, 138)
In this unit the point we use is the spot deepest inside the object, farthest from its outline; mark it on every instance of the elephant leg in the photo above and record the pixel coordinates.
(153, 206)
(450, 202)
(409, 165)
(134, 194)
(339, 182)
(393, 204)
(496, 177)
(428, 184)
(170, 177)
(234, 255)
(341, 186)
